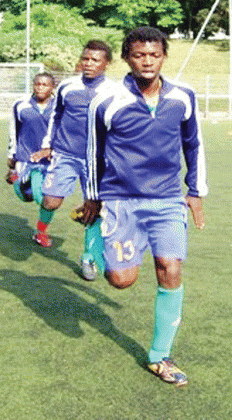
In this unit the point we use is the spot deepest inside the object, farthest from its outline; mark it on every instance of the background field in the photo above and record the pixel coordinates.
(75, 350)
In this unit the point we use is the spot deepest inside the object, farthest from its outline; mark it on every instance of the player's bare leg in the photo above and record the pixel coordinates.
(52, 203)
(168, 272)
(122, 279)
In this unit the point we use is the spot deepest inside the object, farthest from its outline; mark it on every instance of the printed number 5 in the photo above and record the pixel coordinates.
(124, 251)
(48, 181)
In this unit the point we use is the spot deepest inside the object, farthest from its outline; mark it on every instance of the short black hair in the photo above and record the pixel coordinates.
(45, 74)
(95, 44)
(143, 34)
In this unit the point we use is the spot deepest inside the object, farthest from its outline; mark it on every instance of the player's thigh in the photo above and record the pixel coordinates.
(61, 177)
(167, 231)
(124, 243)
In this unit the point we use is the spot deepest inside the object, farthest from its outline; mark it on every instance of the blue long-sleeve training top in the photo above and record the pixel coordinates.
(67, 131)
(28, 126)
(135, 153)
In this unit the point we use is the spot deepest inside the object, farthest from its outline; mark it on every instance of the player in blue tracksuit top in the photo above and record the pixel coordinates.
(67, 133)
(138, 134)
(28, 126)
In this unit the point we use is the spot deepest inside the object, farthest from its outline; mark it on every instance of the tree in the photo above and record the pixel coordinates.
(220, 19)
(16, 7)
(166, 14)
(196, 11)
(58, 35)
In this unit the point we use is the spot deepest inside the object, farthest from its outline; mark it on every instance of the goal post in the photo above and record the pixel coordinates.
(14, 80)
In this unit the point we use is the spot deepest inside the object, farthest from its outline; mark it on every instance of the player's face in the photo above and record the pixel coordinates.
(43, 88)
(93, 63)
(146, 59)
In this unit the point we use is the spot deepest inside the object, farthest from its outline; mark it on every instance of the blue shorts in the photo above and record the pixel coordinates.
(62, 175)
(130, 226)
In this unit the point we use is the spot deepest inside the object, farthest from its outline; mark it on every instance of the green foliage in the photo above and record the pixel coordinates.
(196, 11)
(16, 7)
(52, 21)
(213, 24)
(13, 6)
(219, 19)
(126, 15)
(224, 45)
(54, 16)
(56, 38)
(169, 15)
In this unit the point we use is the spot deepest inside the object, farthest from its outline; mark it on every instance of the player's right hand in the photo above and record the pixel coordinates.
(41, 154)
(88, 213)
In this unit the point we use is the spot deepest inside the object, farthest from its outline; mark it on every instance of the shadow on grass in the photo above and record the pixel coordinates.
(17, 244)
(62, 309)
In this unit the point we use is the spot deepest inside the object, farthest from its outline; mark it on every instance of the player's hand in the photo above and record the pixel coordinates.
(195, 205)
(41, 154)
(87, 213)
(11, 176)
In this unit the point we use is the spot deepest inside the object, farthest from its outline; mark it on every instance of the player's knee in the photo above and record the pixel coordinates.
(173, 271)
(52, 203)
(123, 278)
(168, 272)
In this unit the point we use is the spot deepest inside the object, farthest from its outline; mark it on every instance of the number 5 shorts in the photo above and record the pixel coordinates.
(130, 226)
(62, 175)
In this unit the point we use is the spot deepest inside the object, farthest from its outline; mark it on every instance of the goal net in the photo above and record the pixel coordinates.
(15, 80)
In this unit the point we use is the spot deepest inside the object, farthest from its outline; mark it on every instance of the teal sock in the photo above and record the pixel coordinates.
(167, 319)
(94, 245)
(45, 215)
(36, 185)
(18, 191)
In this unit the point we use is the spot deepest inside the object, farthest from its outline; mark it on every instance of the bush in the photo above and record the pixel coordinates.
(223, 45)
(57, 36)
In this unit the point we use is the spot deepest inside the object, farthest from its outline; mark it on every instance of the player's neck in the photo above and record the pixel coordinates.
(42, 102)
(150, 88)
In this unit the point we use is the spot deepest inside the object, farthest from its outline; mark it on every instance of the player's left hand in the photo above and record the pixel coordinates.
(11, 176)
(88, 213)
(11, 163)
(195, 205)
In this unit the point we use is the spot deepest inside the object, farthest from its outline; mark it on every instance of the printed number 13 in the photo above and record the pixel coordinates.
(124, 251)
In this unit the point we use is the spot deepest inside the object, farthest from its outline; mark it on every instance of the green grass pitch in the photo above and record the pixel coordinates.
(74, 350)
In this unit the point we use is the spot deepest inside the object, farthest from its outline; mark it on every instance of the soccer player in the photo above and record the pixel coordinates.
(67, 134)
(28, 126)
(145, 125)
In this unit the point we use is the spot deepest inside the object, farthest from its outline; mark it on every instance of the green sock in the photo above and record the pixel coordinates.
(36, 185)
(167, 319)
(45, 215)
(18, 191)
(94, 245)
